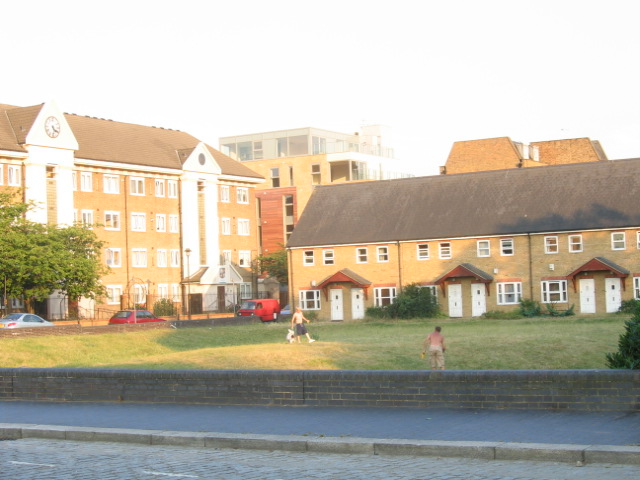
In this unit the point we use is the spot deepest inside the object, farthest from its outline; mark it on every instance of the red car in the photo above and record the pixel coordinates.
(134, 316)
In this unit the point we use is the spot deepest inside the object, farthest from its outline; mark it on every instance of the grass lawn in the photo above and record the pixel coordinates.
(538, 343)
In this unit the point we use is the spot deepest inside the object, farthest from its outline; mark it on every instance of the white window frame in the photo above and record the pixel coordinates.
(114, 292)
(509, 293)
(225, 227)
(138, 222)
(444, 250)
(174, 223)
(87, 218)
(246, 291)
(1, 174)
(575, 243)
(161, 222)
(161, 258)
(14, 176)
(160, 187)
(551, 245)
(636, 288)
(507, 247)
(226, 257)
(382, 254)
(384, 296)
(308, 258)
(328, 257)
(111, 220)
(362, 255)
(113, 257)
(244, 227)
(172, 189)
(139, 257)
(163, 290)
(86, 182)
(432, 288)
(619, 243)
(422, 251)
(136, 186)
(309, 299)
(242, 195)
(139, 294)
(225, 195)
(111, 183)
(483, 248)
(547, 293)
(174, 257)
(175, 292)
(638, 240)
(244, 258)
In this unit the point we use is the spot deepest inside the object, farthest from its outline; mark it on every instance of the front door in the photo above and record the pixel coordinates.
(337, 311)
(613, 295)
(478, 299)
(587, 295)
(357, 304)
(455, 300)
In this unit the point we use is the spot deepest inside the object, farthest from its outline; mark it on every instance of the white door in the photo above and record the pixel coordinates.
(357, 303)
(613, 295)
(587, 295)
(478, 299)
(337, 312)
(455, 300)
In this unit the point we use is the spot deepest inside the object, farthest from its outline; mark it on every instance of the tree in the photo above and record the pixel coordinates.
(38, 259)
(628, 354)
(413, 301)
(275, 264)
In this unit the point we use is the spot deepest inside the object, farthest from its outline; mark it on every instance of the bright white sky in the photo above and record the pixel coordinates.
(436, 72)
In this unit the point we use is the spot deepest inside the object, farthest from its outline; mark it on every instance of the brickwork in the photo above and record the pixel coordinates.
(568, 390)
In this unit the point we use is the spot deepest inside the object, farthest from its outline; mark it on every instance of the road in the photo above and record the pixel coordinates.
(38, 459)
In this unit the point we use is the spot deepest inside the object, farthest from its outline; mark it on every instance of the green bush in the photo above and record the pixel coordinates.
(630, 306)
(554, 312)
(530, 308)
(377, 312)
(628, 354)
(413, 302)
(500, 315)
(164, 308)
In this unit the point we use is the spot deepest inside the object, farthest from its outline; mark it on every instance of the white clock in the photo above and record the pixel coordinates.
(52, 127)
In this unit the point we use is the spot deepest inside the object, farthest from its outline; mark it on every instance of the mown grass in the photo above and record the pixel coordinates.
(539, 343)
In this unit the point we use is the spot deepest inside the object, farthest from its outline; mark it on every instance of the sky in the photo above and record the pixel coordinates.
(434, 72)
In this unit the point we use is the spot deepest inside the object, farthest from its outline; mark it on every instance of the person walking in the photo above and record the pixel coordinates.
(297, 324)
(435, 343)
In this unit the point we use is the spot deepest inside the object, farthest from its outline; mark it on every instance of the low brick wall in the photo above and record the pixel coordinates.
(574, 390)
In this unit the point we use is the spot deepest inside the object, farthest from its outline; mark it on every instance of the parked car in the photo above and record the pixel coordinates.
(268, 309)
(23, 320)
(134, 316)
(286, 310)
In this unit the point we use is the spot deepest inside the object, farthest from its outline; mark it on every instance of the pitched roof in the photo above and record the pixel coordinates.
(501, 202)
(110, 141)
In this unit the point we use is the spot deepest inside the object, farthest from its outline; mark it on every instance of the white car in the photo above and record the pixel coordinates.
(23, 320)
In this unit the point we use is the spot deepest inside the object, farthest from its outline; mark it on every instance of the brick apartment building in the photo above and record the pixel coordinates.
(563, 235)
(177, 216)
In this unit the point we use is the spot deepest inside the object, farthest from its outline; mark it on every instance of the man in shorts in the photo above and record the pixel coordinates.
(297, 324)
(435, 343)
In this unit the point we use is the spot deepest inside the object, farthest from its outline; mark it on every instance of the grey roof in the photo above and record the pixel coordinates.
(571, 197)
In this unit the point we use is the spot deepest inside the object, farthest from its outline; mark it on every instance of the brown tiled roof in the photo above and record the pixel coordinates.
(110, 141)
(502, 202)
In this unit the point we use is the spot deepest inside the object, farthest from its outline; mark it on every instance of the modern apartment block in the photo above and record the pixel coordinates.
(295, 161)
(178, 217)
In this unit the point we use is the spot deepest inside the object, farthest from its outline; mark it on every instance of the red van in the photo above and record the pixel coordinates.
(268, 309)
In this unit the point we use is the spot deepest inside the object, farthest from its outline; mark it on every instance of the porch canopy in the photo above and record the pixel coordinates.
(600, 264)
(465, 270)
(345, 275)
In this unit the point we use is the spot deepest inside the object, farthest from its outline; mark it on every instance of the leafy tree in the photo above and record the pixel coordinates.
(275, 264)
(628, 354)
(38, 259)
(413, 302)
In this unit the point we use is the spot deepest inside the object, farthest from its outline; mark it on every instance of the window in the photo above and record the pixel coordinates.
(244, 258)
(506, 247)
(137, 186)
(384, 296)
(224, 194)
(13, 175)
(575, 243)
(307, 258)
(111, 220)
(383, 254)
(174, 224)
(432, 288)
(362, 255)
(139, 294)
(327, 257)
(160, 187)
(484, 248)
(242, 195)
(638, 240)
(509, 293)
(550, 244)
(172, 188)
(275, 177)
(161, 222)
(245, 291)
(423, 251)
(111, 183)
(74, 181)
(174, 257)
(163, 290)
(161, 257)
(225, 257)
(139, 257)
(316, 176)
(291, 183)
(309, 299)
(243, 226)
(636, 288)
(618, 241)
(114, 292)
(444, 250)
(86, 182)
(87, 218)
(113, 257)
(175, 292)
(554, 291)
(139, 222)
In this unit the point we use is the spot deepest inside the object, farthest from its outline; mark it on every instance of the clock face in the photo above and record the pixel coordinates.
(52, 127)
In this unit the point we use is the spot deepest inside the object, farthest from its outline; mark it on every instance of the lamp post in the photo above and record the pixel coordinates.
(188, 253)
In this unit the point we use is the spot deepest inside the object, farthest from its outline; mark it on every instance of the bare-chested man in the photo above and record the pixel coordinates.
(435, 343)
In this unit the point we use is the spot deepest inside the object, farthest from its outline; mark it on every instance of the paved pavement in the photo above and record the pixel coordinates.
(571, 437)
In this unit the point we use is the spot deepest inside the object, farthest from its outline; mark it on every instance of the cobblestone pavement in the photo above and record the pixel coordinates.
(37, 459)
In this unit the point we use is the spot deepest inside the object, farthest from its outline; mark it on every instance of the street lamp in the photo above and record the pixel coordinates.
(187, 253)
